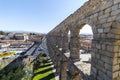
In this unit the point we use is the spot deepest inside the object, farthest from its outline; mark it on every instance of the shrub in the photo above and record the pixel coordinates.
(44, 55)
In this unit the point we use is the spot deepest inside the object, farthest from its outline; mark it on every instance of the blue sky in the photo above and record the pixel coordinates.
(35, 15)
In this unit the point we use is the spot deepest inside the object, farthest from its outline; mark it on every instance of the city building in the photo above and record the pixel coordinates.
(86, 42)
(11, 35)
(3, 45)
(2, 37)
(21, 36)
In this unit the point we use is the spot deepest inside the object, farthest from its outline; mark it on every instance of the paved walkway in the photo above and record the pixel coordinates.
(84, 64)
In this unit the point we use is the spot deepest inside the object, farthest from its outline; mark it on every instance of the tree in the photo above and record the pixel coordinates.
(3, 33)
(32, 33)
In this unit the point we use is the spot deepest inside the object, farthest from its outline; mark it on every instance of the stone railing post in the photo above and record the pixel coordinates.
(74, 48)
(64, 67)
(73, 73)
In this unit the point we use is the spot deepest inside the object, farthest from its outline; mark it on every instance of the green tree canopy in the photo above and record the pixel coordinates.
(3, 33)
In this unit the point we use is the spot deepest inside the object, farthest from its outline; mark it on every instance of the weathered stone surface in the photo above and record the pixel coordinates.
(104, 18)
(116, 1)
(94, 70)
(116, 68)
(111, 19)
(115, 12)
(100, 30)
(106, 30)
(106, 59)
(108, 10)
(116, 25)
(115, 7)
(108, 4)
(115, 74)
(115, 31)
(103, 47)
(109, 73)
(108, 67)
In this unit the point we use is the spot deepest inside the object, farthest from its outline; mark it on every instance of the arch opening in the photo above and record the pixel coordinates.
(66, 42)
(85, 36)
(69, 36)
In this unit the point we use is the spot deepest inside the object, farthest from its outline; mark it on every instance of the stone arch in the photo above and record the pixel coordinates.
(101, 14)
(78, 27)
(74, 42)
(86, 36)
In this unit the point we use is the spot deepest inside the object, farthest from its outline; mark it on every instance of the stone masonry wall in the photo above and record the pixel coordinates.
(104, 18)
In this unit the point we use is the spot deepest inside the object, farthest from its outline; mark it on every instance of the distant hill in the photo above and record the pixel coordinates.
(26, 32)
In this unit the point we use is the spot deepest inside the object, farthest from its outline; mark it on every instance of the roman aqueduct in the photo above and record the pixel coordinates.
(104, 18)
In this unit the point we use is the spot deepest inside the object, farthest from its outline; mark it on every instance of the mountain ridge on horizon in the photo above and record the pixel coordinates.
(22, 31)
